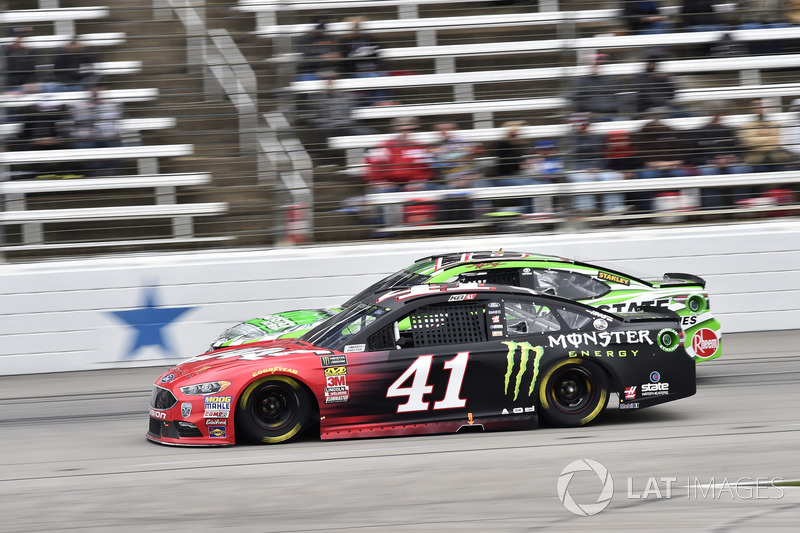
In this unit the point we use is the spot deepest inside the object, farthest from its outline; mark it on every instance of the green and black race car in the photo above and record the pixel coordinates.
(599, 287)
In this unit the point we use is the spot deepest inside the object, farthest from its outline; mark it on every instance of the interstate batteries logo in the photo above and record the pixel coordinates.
(527, 354)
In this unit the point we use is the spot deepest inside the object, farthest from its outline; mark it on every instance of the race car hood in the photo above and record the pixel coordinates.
(215, 364)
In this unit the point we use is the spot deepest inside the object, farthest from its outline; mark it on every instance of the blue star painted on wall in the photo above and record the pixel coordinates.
(149, 322)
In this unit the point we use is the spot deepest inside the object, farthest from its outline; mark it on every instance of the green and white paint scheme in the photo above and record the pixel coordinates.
(600, 287)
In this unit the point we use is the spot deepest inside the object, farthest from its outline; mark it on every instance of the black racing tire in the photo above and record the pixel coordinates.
(573, 393)
(273, 410)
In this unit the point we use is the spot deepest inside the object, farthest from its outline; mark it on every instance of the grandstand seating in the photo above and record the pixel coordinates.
(483, 109)
(63, 17)
(706, 65)
(38, 42)
(120, 95)
(166, 206)
(551, 130)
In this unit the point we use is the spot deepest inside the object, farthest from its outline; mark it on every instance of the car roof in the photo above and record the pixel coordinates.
(450, 260)
(395, 298)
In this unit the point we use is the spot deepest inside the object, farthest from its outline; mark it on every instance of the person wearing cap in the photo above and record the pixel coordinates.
(654, 88)
(790, 133)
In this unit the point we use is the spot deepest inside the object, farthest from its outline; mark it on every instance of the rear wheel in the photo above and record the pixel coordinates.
(273, 410)
(573, 393)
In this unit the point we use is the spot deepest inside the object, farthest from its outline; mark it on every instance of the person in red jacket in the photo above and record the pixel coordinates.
(400, 163)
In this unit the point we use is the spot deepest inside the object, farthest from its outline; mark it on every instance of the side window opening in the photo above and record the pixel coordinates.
(525, 318)
(575, 320)
(497, 276)
(570, 285)
(433, 325)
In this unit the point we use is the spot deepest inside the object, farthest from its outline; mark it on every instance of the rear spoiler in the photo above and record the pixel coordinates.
(688, 277)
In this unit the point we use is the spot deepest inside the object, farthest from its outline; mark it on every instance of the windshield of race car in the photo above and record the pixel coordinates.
(334, 332)
(406, 277)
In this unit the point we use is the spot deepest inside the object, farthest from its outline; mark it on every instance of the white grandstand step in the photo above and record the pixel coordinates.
(108, 68)
(597, 42)
(550, 130)
(66, 97)
(117, 182)
(111, 244)
(450, 23)
(531, 104)
(113, 213)
(128, 125)
(72, 154)
(307, 5)
(55, 41)
(683, 66)
(568, 188)
(19, 16)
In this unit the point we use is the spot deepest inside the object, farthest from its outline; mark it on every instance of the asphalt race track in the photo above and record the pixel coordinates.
(74, 458)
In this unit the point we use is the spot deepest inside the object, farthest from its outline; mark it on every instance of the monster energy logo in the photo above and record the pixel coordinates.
(525, 350)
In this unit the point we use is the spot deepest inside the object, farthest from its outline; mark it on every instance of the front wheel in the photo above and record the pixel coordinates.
(273, 410)
(573, 393)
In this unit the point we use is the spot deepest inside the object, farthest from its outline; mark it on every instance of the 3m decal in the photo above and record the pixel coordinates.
(335, 381)
(613, 277)
(525, 351)
(602, 338)
(418, 372)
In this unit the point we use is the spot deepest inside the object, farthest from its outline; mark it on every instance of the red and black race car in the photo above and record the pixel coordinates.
(427, 359)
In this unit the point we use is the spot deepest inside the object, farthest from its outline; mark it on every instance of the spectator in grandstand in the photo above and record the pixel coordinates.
(19, 62)
(661, 150)
(454, 158)
(361, 60)
(790, 133)
(94, 123)
(715, 149)
(596, 93)
(588, 163)
(620, 153)
(44, 127)
(455, 161)
(509, 156)
(654, 89)
(545, 166)
(398, 164)
(644, 17)
(329, 112)
(757, 14)
(320, 51)
(699, 15)
(761, 139)
(69, 66)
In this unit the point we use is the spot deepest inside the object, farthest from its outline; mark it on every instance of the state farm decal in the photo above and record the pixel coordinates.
(601, 338)
(633, 305)
(705, 343)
